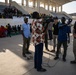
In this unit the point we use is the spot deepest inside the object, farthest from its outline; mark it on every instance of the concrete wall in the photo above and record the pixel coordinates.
(29, 9)
(44, 11)
(67, 14)
(19, 7)
(14, 21)
(5, 21)
(2, 3)
(18, 21)
(26, 9)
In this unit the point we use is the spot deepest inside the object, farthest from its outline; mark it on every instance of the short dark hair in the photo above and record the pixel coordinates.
(25, 18)
(63, 18)
(35, 15)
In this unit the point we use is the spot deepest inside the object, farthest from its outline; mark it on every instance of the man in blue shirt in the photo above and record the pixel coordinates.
(62, 38)
(26, 37)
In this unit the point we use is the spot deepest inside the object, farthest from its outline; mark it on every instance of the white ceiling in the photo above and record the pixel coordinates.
(55, 2)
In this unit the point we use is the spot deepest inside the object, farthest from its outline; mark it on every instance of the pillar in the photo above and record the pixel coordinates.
(27, 1)
(55, 9)
(44, 5)
(34, 3)
(52, 8)
(61, 9)
(10, 2)
(58, 8)
(22, 2)
(38, 5)
(6, 2)
(48, 4)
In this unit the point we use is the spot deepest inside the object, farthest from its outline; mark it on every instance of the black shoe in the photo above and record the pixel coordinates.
(28, 52)
(56, 58)
(73, 62)
(64, 59)
(47, 49)
(42, 70)
(24, 55)
(53, 51)
(35, 68)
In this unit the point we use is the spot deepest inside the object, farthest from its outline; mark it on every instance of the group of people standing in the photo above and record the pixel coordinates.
(60, 30)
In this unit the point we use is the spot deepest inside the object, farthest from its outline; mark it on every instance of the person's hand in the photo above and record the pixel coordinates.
(74, 35)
